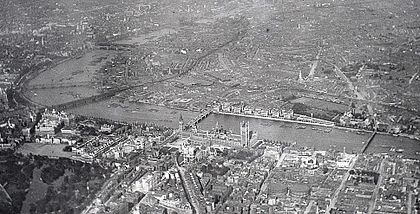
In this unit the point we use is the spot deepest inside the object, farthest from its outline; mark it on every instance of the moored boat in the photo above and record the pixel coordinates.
(301, 127)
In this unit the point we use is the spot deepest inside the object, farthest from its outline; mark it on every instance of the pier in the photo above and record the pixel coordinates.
(368, 142)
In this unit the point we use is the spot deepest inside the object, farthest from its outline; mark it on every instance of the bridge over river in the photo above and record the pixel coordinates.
(197, 119)
(366, 145)
(24, 86)
(58, 85)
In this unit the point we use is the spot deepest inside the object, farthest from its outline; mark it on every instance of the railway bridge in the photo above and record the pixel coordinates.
(87, 100)
(96, 98)
(58, 85)
(115, 46)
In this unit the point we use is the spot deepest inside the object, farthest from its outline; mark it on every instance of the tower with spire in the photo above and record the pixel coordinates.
(245, 134)
(300, 77)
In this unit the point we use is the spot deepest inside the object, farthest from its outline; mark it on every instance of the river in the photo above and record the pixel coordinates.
(315, 136)
(135, 112)
(84, 68)
(76, 70)
(312, 136)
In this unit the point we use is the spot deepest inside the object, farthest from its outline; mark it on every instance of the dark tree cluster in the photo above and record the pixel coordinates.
(71, 184)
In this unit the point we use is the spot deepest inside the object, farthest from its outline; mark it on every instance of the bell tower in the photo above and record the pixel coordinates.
(245, 137)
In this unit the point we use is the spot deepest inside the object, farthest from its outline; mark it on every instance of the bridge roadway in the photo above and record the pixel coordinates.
(197, 119)
(111, 93)
(114, 46)
(103, 96)
(58, 85)
(336, 194)
(87, 100)
(366, 145)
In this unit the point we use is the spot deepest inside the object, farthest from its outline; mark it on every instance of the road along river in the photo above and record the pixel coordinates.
(314, 136)
(83, 68)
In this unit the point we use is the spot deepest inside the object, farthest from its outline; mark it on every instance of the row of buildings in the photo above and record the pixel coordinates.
(227, 108)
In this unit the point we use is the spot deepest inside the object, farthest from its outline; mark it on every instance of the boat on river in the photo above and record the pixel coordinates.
(328, 130)
(301, 127)
(399, 150)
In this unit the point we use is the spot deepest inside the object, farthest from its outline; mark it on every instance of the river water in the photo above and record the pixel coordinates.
(315, 136)
(135, 112)
(77, 70)
(383, 143)
(311, 136)
(84, 68)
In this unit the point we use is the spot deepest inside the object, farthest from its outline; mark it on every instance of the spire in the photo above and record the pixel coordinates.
(300, 77)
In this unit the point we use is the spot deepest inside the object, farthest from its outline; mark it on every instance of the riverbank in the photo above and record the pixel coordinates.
(411, 137)
(32, 74)
(325, 138)
(338, 139)
(24, 78)
(168, 107)
(135, 112)
(79, 69)
(277, 119)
